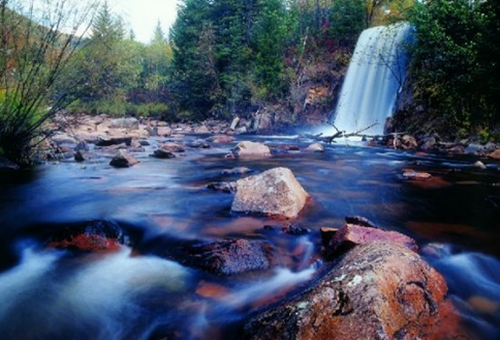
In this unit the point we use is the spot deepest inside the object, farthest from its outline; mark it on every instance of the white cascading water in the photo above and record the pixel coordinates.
(374, 79)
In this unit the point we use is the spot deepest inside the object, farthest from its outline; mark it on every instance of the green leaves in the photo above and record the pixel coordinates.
(451, 63)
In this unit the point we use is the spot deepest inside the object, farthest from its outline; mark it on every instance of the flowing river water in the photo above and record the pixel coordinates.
(132, 294)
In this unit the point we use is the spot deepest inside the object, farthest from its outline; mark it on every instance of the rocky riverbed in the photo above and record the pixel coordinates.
(139, 229)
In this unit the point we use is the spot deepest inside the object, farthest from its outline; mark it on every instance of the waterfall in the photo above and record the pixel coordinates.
(374, 79)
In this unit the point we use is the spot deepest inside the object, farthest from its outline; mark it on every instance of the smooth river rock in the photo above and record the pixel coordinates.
(123, 159)
(173, 147)
(316, 147)
(377, 291)
(163, 154)
(251, 149)
(275, 192)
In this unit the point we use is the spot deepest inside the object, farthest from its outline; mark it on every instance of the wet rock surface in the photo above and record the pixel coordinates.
(227, 187)
(350, 235)
(275, 192)
(316, 147)
(79, 157)
(416, 175)
(199, 144)
(173, 147)
(123, 159)
(162, 154)
(92, 236)
(252, 149)
(229, 257)
(377, 291)
(221, 139)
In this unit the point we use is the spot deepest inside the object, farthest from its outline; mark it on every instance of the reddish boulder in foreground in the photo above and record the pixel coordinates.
(274, 192)
(377, 291)
(351, 235)
(93, 236)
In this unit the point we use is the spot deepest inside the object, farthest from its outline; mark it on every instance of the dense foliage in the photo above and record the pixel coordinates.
(235, 57)
(33, 60)
(455, 65)
(252, 51)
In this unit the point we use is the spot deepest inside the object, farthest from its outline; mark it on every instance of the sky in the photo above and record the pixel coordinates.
(142, 15)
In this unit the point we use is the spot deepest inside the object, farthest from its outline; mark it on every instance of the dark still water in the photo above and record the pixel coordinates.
(132, 294)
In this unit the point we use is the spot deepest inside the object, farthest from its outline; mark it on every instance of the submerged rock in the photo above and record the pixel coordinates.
(228, 187)
(351, 235)
(123, 159)
(162, 154)
(221, 139)
(228, 257)
(79, 156)
(93, 236)
(377, 291)
(199, 144)
(416, 176)
(251, 149)
(172, 147)
(274, 192)
(295, 230)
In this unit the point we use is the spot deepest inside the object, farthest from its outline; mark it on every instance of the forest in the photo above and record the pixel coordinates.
(226, 58)
(259, 170)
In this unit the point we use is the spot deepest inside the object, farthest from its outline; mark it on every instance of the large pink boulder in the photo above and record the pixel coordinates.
(275, 192)
(377, 291)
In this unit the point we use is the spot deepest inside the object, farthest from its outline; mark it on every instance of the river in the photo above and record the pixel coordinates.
(134, 294)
